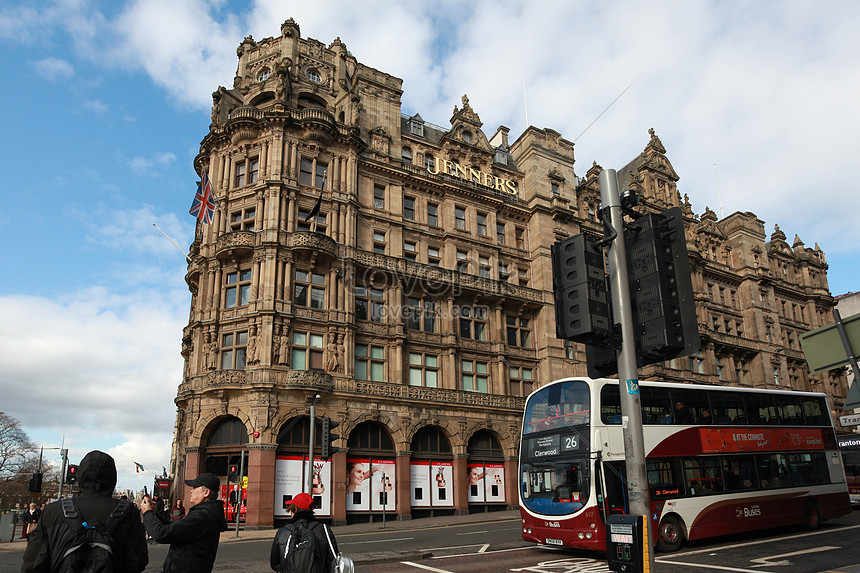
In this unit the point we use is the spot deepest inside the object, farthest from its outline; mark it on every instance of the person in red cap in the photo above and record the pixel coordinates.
(304, 543)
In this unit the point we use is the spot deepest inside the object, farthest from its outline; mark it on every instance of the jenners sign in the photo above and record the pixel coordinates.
(469, 174)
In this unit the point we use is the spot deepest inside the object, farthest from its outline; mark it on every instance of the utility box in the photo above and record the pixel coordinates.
(7, 526)
(626, 549)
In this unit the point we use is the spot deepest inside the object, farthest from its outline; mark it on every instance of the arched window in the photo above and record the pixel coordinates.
(295, 433)
(430, 440)
(370, 436)
(406, 155)
(483, 444)
(230, 431)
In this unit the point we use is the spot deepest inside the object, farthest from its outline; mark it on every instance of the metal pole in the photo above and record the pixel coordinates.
(384, 500)
(628, 374)
(311, 432)
(65, 454)
(239, 495)
(852, 359)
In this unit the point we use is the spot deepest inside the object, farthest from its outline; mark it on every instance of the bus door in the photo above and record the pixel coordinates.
(615, 489)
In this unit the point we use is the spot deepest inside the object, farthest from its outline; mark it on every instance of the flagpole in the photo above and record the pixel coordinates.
(187, 258)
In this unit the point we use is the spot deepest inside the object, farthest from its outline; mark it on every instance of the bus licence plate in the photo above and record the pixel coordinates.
(554, 541)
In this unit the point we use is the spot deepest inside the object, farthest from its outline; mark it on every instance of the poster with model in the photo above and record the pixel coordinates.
(358, 475)
(382, 486)
(290, 479)
(442, 481)
(494, 483)
(419, 480)
(475, 483)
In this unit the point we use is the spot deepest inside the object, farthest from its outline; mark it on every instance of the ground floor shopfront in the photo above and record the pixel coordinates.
(443, 472)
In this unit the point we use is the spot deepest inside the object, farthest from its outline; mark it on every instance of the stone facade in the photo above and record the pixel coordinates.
(397, 275)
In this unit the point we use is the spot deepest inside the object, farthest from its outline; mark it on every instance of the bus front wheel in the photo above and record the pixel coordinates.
(811, 515)
(670, 534)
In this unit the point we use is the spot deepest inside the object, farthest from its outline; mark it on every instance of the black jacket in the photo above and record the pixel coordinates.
(279, 545)
(193, 539)
(52, 536)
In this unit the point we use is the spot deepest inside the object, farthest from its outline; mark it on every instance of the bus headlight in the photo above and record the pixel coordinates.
(592, 526)
(581, 535)
(588, 535)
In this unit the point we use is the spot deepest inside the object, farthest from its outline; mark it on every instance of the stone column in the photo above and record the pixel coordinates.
(195, 464)
(261, 486)
(461, 485)
(404, 497)
(512, 481)
(338, 488)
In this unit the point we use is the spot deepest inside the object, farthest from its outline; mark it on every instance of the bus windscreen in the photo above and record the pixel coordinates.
(560, 406)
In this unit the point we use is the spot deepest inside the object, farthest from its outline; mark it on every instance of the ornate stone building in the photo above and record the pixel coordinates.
(397, 275)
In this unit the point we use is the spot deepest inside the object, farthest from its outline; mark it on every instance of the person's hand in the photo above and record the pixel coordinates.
(146, 504)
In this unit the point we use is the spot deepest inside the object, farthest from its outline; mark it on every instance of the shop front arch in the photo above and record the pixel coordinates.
(486, 467)
(292, 468)
(431, 473)
(370, 471)
(226, 443)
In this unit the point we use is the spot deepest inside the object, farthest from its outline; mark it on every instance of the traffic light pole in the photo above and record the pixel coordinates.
(238, 509)
(311, 432)
(628, 373)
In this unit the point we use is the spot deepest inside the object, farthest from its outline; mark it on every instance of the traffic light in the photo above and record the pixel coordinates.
(579, 285)
(72, 474)
(327, 449)
(233, 474)
(36, 483)
(661, 288)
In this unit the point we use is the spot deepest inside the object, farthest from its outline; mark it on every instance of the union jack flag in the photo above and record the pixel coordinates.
(203, 206)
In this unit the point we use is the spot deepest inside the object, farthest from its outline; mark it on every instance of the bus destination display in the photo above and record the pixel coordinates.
(554, 445)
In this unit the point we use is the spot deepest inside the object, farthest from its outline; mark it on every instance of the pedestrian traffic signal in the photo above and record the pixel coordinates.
(233, 474)
(327, 438)
(36, 483)
(72, 474)
(579, 286)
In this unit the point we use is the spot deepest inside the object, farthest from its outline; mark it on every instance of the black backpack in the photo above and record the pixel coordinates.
(302, 553)
(90, 550)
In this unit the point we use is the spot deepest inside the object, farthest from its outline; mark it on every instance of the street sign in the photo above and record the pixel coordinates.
(245, 478)
(849, 420)
(823, 346)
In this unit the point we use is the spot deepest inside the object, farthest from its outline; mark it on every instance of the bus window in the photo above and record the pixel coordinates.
(802, 468)
(703, 476)
(760, 408)
(728, 407)
(555, 488)
(567, 404)
(788, 410)
(610, 404)
(665, 478)
(815, 411)
(694, 403)
(773, 470)
(739, 472)
(655, 405)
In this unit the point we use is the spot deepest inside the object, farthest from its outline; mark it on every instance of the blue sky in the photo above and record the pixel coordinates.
(105, 103)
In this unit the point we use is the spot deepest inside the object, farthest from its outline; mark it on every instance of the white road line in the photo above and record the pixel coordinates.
(419, 566)
(473, 532)
(484, 548)
(377, 541)
(766, 561)
(487, 553)
(720, 567)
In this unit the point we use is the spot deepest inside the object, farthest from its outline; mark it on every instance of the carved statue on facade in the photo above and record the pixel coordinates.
(211, 352)
(253, 357)
(332, 360)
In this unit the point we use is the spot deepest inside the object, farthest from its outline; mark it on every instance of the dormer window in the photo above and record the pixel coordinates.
(502, 157)
(314, 75)
(416, 125)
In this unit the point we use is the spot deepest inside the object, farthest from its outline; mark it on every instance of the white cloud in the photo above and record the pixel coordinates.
(134, 231)
(95, 106)
(53, 69)
(148, 165)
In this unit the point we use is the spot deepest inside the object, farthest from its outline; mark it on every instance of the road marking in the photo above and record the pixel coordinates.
(473, 532)
(450, 526)
(702, 565)
(488, 552)
(377, 541)
(766, 561)
(426, 567)
(484, 548)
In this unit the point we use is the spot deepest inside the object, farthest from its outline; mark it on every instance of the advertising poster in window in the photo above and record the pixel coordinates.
(476, 493)
(442, 479)
(419, 478)
(494, 483)
(290, 472)
(230, 495)
(382, 485)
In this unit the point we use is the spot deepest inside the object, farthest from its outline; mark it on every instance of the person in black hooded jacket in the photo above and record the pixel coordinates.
(194, 539)
(301, 509)
(52, 536)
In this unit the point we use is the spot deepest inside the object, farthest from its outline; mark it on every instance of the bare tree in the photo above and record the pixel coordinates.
(17, 455)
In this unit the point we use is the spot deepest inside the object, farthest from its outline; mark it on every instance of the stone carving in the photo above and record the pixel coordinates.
(211, 352)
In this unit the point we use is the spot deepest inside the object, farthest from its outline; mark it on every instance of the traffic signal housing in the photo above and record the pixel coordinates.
(36, 483)
(580, 291)
(328, 437)
(233, 474)
(661, 287)
(72, 474)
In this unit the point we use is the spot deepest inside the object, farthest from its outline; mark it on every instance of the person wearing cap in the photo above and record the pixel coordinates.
(301, 509)
(95, 502)
(194, 539)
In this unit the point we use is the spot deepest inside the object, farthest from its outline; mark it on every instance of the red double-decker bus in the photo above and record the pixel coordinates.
(720, 460)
